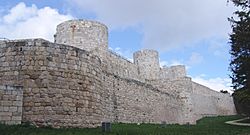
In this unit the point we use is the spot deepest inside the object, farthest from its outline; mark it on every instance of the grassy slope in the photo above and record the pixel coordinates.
(206, 126)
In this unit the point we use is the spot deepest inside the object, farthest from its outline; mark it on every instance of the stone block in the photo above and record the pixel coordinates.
(13, 109)
(17, 114)
(17, 103)
(2, 87)
(8, 91)
(19, 97)
(5, 118)
(5, 108)
(40, 62)
(37, 104)
(16, 118)
(8, 97)
(16, 72)
(12, 122)
(6, 103)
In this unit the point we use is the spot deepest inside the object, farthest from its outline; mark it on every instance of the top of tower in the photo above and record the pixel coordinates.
(84, 34)
(90, 22)
(147, 51)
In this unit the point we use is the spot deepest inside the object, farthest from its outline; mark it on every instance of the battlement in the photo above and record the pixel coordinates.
(93, 36)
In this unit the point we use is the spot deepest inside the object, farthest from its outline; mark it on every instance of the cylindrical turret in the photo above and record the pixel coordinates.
(87, 35)
(148, 64)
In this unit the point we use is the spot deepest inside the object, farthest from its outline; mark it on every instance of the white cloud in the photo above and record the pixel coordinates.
(20, 13)
(22, 21)
(216, 84)
(165, 24)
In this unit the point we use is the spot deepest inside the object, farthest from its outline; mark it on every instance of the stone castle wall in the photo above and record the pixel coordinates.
(182, 89)
(117, 65)
(61, 84)
(131, 101)
(11, 90)
(11, 98)
(211, 103)
(78, 82)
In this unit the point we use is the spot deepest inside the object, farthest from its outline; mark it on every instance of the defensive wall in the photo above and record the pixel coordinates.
(78, 82)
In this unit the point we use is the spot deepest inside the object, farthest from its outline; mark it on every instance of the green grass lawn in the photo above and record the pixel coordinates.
(205, 126)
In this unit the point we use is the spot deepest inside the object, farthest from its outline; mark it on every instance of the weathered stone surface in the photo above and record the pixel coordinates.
(78, 82)
(9, 113)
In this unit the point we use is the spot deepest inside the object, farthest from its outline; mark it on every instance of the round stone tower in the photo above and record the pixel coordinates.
(84, 34)
(148, 64)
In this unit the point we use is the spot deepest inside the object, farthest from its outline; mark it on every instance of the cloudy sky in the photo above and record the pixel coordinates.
(193, 33)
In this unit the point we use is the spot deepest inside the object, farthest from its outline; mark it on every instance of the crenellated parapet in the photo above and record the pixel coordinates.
(93, 36)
